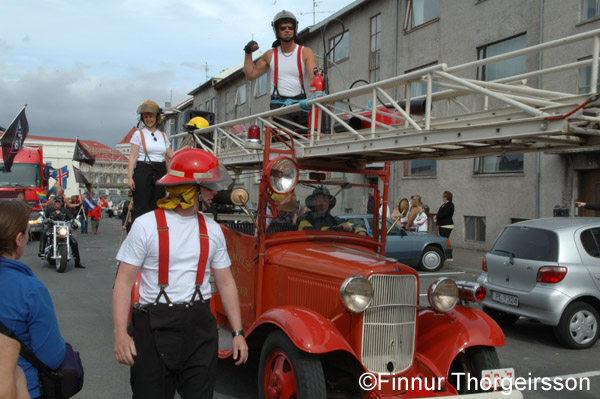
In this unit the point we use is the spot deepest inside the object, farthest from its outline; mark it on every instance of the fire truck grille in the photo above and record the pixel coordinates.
(388, 342)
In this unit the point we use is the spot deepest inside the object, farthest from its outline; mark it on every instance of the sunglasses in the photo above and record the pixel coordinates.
(153, 136)
(284, 27)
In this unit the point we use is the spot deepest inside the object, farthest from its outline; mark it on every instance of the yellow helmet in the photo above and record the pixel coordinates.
(197, 123)
(290, 206)
(149, 106)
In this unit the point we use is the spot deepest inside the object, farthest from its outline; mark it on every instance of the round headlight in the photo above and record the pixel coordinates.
(63, 231)
(356, 293)
(443, 294)
(282, 175)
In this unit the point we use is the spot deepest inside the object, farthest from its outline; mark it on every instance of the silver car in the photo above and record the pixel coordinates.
(547, 270)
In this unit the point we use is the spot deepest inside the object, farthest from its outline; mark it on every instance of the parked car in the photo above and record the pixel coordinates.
(425, 251)
(118, 208)
(547, 270)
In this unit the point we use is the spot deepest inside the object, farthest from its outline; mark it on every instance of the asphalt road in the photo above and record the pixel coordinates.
(82, 299)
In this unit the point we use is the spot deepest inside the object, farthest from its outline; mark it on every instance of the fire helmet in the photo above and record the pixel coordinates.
(197, 123)
(283, 15)
(149, 106)
(320, 191)
(193, 165)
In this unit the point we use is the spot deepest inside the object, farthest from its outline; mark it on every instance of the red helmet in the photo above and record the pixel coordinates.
(197, 166)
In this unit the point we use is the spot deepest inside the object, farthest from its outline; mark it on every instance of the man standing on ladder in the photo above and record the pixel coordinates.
(291, 65)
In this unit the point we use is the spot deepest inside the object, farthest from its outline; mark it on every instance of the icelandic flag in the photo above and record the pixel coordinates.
(42, 195)
(61, 175)
(88, 203)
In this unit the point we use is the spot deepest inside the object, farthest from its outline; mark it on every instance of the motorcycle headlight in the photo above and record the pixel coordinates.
(63, 231)
(356, 293)
(443, 294)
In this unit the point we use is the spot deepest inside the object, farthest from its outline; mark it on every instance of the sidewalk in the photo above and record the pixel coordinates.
(466, 260)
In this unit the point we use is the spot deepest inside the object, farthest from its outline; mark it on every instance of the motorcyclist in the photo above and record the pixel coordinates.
(320, 202)
(59, 213)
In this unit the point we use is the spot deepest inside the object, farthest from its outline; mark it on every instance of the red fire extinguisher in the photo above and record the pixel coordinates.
(316, 90)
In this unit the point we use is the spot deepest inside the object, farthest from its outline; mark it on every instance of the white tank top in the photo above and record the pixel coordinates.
(288, 79)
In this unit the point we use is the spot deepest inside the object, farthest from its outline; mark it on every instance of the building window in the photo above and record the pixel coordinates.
(589, 9)
(339, 48)
(261, 85)
(419, 12)
(419, 88)
(475, 228)
(505, 163)
(227, 103)
(375, 49)
(502, 69)
(241, 95)
(420, 168)
(207, 105)
(585, 79)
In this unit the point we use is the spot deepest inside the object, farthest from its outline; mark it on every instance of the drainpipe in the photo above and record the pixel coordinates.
(538, 158)
(395, 164)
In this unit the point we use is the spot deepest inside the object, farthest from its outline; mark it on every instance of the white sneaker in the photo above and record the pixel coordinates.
(450, 260)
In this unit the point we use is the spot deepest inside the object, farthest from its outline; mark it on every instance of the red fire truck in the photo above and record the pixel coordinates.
(28, 176)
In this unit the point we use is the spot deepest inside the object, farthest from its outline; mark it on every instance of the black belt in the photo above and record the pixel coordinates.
(184, 305)
(151, 163)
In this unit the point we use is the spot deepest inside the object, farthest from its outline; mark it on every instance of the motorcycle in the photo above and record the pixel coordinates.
(58, 249)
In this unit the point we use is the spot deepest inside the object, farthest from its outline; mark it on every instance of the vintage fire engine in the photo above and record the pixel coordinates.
(325, 310)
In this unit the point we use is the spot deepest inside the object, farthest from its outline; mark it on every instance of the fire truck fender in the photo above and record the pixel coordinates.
(308, 330)
(442, 336)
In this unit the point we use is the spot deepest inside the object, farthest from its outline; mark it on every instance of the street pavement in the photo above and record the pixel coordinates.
(82, 299)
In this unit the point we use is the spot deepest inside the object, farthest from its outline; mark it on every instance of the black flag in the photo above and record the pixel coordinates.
(83, 155)
(13, 139)
(80, 179)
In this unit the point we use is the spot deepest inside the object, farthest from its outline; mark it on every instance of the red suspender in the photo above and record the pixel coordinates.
(163, 252)
(276, 67)
(163, 247)
(300, 73)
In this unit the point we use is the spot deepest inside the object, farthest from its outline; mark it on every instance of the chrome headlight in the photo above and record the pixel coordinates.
(282, 175)
(63, 231)
(356, 293)
(443, 294)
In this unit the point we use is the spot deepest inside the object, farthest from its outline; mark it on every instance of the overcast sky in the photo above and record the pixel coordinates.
(82, 66)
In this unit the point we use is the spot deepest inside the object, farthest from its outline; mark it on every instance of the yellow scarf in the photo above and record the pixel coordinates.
(182, 195)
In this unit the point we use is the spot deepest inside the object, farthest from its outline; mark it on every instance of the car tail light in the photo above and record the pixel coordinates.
(551, 274)
(448, 244)
(484, 264)
(470, 291)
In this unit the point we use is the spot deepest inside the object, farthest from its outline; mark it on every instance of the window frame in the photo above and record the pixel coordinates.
(479, 165)
(257, 87)
(583, 8)
(476, 233)
(238, 100)
(375, 54)
(344, 36)
(409, 16)
(419, 83)
(407, 168)
(481, 71)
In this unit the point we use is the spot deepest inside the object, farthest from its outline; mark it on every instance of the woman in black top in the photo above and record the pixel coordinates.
(443, 218)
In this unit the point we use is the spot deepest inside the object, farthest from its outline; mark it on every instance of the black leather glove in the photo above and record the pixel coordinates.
(248, 49)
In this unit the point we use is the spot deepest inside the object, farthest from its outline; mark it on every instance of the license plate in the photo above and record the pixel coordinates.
(505, 298)
(497, 379)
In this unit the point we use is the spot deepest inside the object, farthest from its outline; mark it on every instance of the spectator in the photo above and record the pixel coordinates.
(126, 213)
(412, 211)
(443, 217)
(421, 219)
(27, 308)
(109, 208)
(95, 216)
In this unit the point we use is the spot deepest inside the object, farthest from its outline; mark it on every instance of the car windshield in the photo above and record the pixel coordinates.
(20, 175)
(527, 243)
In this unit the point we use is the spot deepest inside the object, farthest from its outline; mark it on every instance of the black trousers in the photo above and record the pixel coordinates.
(146, 191)
(444, 232)
(299, 117)
(177, 349)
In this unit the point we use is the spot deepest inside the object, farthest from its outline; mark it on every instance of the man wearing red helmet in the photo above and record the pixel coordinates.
(174, 343)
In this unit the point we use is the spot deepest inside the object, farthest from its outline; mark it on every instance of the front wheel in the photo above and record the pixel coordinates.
(578, 326)
(465, 371)
(287, 372)
(61, 265)
(432, 259)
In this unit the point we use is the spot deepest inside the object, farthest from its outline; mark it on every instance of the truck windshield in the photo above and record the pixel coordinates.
(21, 175)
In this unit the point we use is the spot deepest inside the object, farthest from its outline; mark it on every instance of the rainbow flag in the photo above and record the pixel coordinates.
(42, 195)
(53, 189)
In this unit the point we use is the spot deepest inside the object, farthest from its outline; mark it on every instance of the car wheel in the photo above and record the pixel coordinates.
(578, 326)
(468, 366)
(503, 319)
(432, 259)
(287, 372)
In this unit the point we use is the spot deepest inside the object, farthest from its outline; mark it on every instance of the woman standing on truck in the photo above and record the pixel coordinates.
(149, 147)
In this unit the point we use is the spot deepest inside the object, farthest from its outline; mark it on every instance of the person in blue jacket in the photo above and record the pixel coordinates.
(27, 308)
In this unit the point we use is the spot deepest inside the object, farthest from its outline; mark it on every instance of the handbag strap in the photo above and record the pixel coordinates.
(25, 352)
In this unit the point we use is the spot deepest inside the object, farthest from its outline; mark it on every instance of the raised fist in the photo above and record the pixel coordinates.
(251, 47)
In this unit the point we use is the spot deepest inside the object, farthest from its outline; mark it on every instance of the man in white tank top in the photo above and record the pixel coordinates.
(292, 65)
